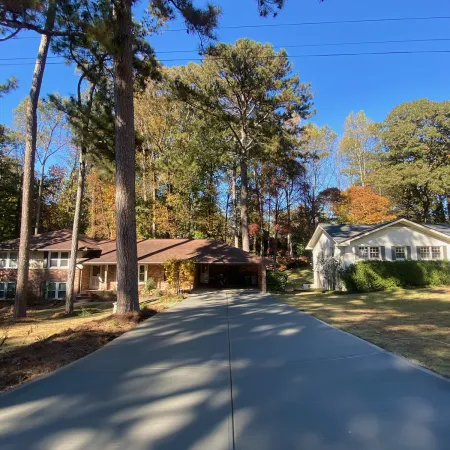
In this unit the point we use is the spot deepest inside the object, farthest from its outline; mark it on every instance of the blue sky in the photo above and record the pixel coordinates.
(374, 83)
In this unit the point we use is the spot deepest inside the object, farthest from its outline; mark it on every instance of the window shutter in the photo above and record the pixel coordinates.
(393, 253)
(408, 252)
(444, 252)
(45, 260)
(383, 252)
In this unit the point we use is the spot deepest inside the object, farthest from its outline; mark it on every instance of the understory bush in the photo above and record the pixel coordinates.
(276, 281)
(367, 276)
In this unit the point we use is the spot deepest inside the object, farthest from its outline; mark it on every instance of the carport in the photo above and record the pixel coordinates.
(231, 275)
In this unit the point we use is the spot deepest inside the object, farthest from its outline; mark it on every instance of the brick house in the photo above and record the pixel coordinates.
(217, 264)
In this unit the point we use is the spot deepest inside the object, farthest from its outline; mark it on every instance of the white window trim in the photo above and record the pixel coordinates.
(430, 253)
(8, 259)
(145, 273)
(368, 257)
(57, 290)
(6, 289)
(400, 258)
(58, 261)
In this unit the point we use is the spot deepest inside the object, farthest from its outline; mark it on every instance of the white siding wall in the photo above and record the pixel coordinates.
(396, 236)
(324, 244)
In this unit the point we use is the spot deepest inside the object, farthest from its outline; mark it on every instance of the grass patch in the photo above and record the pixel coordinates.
(299, 277)
(47, 340)
(413, 323)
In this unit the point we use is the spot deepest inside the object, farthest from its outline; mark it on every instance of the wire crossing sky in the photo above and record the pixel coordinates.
(355, 55)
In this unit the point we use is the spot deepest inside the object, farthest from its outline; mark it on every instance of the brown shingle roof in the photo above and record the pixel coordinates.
(160, 250)
(52, 240)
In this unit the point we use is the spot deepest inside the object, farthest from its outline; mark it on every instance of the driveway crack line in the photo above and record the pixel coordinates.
(231, 374)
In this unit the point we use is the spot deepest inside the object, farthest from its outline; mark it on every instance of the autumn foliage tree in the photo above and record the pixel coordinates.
(361, 204)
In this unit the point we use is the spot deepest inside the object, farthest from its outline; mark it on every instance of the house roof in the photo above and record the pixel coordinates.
(160, 250)
(441, 227)
(52, 240)
(341, 233)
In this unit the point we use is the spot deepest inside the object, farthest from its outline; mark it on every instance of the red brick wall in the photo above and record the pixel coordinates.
(37, 276)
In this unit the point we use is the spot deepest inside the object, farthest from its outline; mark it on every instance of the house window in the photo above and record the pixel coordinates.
(55, 290)
(423, 252)
(7, 290)
(8, 260)
(369, 252)
(142, 273)
(59, 259)
(400, 253)
(435, 252)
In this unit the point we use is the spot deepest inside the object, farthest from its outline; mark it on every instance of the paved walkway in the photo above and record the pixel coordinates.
(228, 370)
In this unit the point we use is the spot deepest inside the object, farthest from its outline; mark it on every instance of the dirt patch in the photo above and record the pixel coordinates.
(40, 358)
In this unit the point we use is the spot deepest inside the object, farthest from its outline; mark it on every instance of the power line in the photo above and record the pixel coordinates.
(297, 24)
(398, 41)
(322, 55)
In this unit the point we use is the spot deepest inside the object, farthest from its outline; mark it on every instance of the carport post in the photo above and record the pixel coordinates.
(263, 279)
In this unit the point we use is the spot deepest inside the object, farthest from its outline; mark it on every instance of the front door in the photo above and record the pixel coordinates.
(96, 277)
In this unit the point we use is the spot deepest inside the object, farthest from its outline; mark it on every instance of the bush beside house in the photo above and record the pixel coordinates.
(367, 276)
(276, 281)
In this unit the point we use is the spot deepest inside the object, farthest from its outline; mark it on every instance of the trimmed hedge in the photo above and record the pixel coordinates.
(276, 281)
(367, 276)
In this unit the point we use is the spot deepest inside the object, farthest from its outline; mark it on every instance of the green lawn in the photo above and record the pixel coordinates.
(298, 277)
(412, 323)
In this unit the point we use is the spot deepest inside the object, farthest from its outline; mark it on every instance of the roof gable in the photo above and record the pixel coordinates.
(343, 234)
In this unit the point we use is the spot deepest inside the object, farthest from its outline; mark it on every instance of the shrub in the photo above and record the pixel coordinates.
(276, 281)
(149, 286)
(367, 276)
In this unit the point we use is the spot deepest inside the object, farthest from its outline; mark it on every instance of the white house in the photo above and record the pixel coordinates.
(397, 240)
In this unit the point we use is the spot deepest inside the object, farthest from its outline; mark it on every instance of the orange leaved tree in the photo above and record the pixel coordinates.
(361, 204)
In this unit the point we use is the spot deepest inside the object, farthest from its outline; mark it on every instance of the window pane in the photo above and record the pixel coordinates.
(51, 290)
(64, 260)
(11, 290)
(13, 260)
(3, 257)
(364, 252)
(2, 290)
(400, 252)
(424, 252)
(95, 271)
(61, 290)
(374, 252)
(436, 252)
(54, 259)
(141, 273)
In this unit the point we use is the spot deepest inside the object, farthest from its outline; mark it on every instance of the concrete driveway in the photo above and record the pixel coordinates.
(231, 370)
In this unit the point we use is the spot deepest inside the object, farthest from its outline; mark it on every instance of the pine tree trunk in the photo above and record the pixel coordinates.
(70, 294)
(235, 211)
(20, 301)
(39, 202)
(127, 264)
(244, 211)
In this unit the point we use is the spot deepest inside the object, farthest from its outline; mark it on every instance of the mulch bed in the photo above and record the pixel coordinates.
(40, 358)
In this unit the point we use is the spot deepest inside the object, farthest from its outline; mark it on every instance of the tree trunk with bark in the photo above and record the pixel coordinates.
(70, 291)
(235, 210)
(20, 301)
(127, 263)
(243, 203)
(39, 200)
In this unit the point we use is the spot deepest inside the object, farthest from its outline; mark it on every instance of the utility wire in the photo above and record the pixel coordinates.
(323, 55)
(398, 41)
(297, 24)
